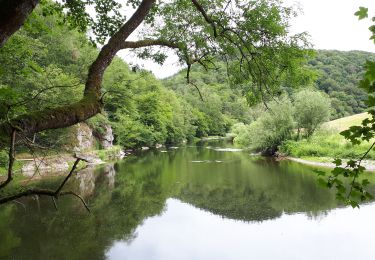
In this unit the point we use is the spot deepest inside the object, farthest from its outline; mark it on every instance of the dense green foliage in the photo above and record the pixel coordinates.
(338, 73)
(283, 120)
(46, 66)
(141, 110)
(270, 129)
(218, 107)
(47, 61)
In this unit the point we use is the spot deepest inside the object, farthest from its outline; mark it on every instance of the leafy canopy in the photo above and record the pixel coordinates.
(251, 37)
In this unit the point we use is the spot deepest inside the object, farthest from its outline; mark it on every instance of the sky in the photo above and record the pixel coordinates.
(331, 24)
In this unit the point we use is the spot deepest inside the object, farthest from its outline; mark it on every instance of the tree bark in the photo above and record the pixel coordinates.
(13, 14)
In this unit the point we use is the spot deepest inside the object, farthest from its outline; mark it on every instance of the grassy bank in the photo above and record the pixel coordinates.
(327, 143)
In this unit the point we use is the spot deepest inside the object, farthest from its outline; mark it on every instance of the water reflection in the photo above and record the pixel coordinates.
(110, 173)
(132, 210)
(86, 180)
(288, 237)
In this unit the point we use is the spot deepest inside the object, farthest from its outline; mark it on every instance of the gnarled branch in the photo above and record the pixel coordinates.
(148, 43)
(205, 16)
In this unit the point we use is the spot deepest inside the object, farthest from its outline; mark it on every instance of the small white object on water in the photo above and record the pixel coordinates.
(227, 149)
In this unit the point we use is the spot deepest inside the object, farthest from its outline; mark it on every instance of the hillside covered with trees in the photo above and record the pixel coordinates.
(338, 74)
(50, 62)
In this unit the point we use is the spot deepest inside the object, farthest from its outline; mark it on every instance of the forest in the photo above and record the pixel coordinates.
(142, 109)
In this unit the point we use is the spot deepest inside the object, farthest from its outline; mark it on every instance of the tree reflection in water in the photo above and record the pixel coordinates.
(122, 195)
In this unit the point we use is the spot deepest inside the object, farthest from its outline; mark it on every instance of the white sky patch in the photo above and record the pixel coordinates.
(331, 24)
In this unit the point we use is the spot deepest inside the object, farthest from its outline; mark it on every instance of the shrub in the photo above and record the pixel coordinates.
(269, 131)
(312, 108)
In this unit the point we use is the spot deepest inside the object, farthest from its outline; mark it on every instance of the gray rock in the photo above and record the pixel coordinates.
(85, 139)
(107, 138)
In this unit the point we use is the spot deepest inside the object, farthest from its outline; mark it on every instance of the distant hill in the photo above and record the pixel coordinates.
(338, 76)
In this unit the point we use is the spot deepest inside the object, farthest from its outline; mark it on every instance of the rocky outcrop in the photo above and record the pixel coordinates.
(56, 164)
(84, 136)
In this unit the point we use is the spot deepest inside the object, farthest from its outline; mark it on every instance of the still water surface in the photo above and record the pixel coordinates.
(198, 202)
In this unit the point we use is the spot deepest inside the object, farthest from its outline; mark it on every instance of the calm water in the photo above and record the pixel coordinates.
(198, 202)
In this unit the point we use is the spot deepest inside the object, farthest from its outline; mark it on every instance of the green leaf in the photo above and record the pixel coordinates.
(353, 203)
(337, 161)
(365, 182)
(362, 13)
(338, 170)
(320, 173)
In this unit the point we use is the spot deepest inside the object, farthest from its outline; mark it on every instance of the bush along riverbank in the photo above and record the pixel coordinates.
(327, 143)
(291, 117)
(293, 128)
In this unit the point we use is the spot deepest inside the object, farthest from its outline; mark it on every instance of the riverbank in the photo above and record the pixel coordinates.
(28, 165)
(326, 144)
(369, 164)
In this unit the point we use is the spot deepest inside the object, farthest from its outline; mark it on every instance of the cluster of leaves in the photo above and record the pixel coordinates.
(312, 108)
(43, 68)
(355, 192)
(250, 38)
(75, 13)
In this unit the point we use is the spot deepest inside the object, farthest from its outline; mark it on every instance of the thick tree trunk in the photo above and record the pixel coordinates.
(54, 118)
(13, 14)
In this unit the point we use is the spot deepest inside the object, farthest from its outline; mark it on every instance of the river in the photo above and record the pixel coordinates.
(207, 201)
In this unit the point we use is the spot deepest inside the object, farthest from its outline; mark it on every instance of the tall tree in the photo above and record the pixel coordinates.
(251, 37)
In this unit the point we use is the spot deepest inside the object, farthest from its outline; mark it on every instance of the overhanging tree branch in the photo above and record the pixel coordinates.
(148, 43)
(206, 16)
